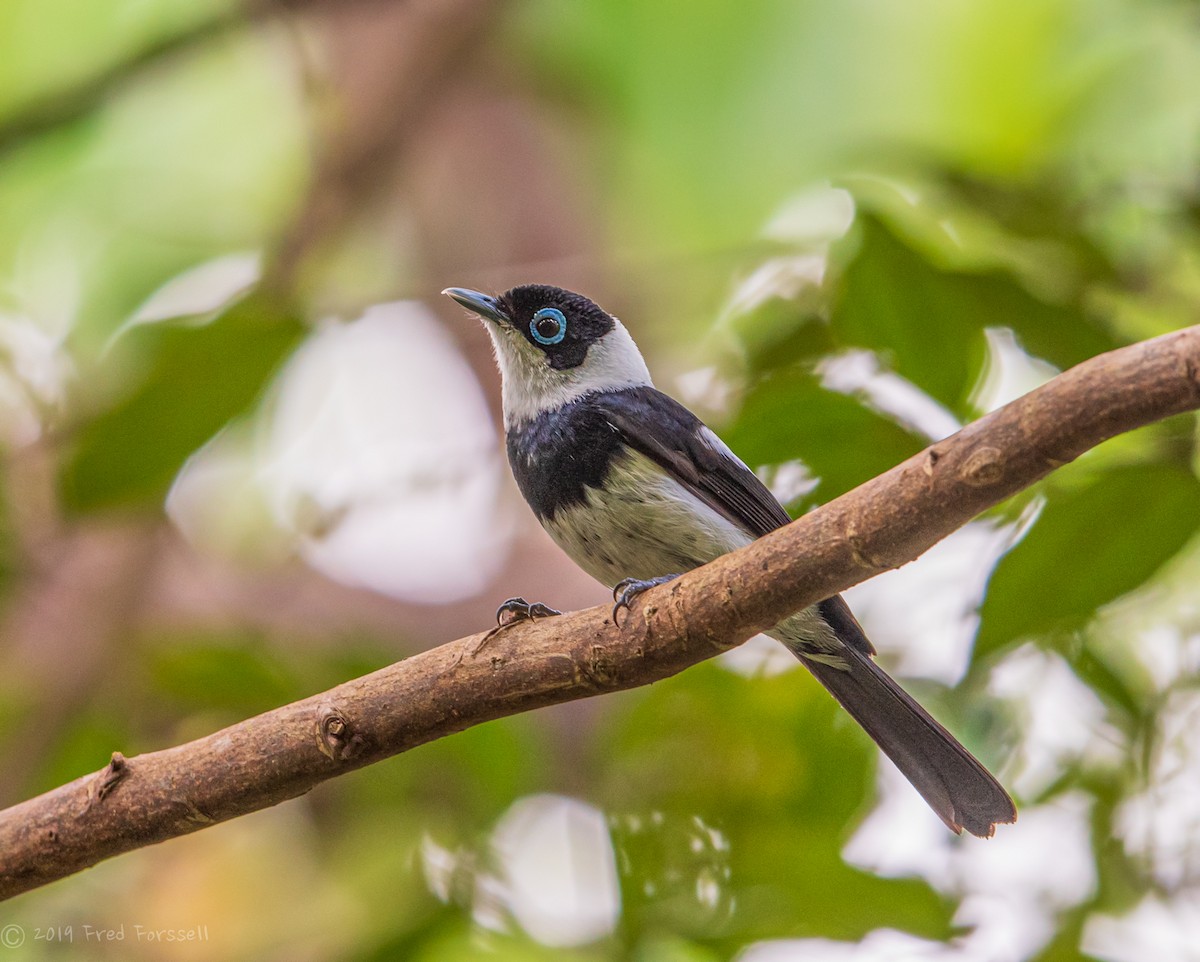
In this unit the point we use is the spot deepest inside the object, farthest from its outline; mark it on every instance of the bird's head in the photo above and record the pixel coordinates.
(553, 346)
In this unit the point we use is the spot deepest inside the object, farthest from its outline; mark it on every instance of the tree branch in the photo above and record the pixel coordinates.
(880, 525)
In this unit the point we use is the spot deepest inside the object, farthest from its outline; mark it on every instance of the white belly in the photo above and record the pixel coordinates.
(644, 524)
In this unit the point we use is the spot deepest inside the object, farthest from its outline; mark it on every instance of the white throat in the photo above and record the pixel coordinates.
(531, 386)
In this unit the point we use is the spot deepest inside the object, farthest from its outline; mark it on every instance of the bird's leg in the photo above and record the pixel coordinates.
(627, 589)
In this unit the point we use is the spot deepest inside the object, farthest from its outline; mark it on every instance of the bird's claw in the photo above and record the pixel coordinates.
(625, 590)
(518, 609)
(511, 612)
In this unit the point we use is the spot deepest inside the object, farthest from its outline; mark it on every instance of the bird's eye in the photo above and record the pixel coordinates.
(549, 326)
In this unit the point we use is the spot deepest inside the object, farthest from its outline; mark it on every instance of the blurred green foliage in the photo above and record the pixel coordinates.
(1151, 530)
(1027, 167)
(194, 381)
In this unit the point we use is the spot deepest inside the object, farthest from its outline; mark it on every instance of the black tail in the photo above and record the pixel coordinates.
(954, 783)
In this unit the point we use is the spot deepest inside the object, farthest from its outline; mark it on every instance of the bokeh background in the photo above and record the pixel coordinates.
(249, 453)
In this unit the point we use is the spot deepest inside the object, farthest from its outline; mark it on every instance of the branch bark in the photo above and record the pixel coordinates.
(880, 525)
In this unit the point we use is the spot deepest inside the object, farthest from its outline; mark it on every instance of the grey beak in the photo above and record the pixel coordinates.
(482, 304)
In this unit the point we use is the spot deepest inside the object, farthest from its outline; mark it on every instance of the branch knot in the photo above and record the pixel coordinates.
(983, 466)
(336, 738)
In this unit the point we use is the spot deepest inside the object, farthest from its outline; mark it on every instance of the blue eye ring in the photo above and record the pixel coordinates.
(548, 333)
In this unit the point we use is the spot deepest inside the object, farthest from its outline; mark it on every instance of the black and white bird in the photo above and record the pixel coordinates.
(636, 489)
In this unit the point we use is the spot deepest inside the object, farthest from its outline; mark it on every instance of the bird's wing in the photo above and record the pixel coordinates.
(679, 442)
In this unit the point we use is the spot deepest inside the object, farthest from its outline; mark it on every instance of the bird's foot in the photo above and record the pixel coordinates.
(512, 612)
(627, 589)
(518, 609)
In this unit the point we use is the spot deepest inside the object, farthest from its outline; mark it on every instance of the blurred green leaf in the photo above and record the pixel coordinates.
(665, 948)
(85, 745)
(774, 767)
(465, 943)
(787, 415)
(387, 881)
(780, 333)
(1098, 675)
(1089, 546)
(925, 322)
(36, 64)
(1062, 336)
(241, 676)
(196, 379)
(817, 894)
(485, 768)
(928, 322)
